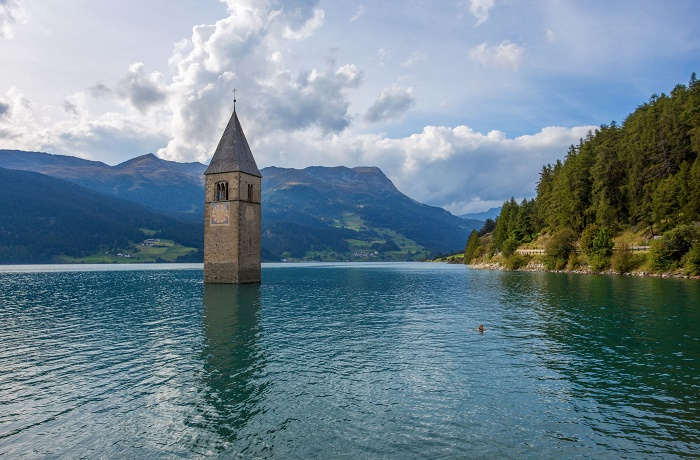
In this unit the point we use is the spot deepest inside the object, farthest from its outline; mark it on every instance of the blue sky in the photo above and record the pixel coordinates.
(459, 102)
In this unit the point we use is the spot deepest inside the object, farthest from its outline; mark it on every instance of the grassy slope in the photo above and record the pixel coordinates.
(162, 251)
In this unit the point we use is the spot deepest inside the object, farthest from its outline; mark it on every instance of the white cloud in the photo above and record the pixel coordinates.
(360, 12)
(391, 104)
(142, 90)
(4, 108)
(551, 35)
(384, 55)
(99, 90)
(11, 13)
(71, 129)
(308, 28)
(480, 9)
(248, 50)
(456, 168)
(416, 56)
(504, 55)
(312, 98)
(19, 107)
(71, 108)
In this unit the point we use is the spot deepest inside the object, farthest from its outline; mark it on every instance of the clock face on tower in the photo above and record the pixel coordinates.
(219, 214)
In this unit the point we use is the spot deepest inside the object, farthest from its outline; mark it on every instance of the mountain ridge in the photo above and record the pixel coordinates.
(491, 213)
(360, 199)
(326, 212)
(145, 179)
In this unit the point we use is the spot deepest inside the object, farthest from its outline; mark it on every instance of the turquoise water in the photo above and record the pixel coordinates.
(346, 361)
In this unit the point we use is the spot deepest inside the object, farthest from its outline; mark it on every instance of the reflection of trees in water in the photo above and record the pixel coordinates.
(233, 362)
(626, 346)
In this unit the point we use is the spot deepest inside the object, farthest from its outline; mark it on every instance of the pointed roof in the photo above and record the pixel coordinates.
(233, 153)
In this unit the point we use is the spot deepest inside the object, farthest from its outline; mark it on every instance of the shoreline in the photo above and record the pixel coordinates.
(579, 271)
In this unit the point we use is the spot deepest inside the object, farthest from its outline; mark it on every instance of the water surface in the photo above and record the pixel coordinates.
(346, 360)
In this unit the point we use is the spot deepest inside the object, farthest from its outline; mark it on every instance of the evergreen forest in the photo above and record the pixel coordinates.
(638, 177)
(43, 219)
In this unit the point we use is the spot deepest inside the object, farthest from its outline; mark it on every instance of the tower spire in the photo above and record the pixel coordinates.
(233, 153)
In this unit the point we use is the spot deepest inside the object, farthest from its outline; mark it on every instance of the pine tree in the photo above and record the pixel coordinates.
(472, 247)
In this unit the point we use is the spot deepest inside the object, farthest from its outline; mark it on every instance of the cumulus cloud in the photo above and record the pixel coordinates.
(308, 28)
(4, 107)
(142, 90)
(391, 104)
(18, 127)
(457, 168)
(504, 55)
(480, 9)
(99, 90)
(18, 105)
(11, 12)
(70, 108)
(314, 98)
(69, 129)
(248, 50)
(461, 169)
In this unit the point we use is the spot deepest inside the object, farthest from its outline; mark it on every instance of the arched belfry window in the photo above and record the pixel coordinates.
(221, 191)
(250, 192)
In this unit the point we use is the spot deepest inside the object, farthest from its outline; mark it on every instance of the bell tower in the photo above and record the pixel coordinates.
(232, 195)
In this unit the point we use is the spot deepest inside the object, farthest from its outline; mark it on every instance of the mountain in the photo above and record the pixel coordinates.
(318, 212)
(348, 211)
(492, 213)
(165, 186)
(42, 218)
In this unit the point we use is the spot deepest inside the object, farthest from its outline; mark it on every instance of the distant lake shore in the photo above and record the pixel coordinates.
(538, 267)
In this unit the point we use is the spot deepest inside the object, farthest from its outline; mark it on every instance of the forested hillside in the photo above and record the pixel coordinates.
(641, 175)
(42, 218)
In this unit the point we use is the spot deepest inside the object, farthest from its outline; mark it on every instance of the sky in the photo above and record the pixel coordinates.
(460, 102)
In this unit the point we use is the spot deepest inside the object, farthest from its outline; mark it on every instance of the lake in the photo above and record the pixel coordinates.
(364, 360)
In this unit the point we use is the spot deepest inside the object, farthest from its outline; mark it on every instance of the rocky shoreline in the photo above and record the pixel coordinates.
(538, 267)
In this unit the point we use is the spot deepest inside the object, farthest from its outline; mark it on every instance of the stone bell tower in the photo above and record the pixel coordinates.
(233, 186)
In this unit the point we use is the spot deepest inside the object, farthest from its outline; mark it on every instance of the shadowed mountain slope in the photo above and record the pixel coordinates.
(42, 217)
(166, 186)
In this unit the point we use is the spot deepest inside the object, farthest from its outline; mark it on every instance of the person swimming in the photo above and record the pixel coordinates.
(480, 328)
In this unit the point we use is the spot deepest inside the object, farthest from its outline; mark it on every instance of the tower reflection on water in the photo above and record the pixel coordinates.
(232, 358)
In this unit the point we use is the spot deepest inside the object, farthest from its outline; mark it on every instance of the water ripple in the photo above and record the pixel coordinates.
(332, 360)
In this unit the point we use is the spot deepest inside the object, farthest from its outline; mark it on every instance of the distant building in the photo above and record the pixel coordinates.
(233, 186)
